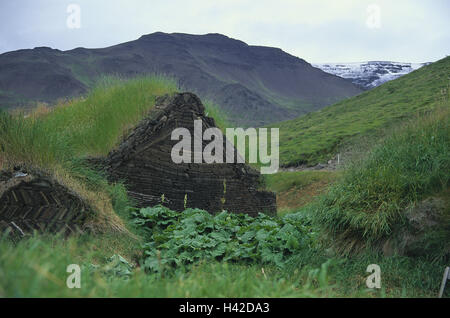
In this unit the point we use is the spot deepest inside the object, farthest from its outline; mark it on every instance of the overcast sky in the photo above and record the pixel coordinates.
(315, 30)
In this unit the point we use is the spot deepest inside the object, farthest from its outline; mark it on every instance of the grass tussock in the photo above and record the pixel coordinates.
(366, 205)
(286, 180)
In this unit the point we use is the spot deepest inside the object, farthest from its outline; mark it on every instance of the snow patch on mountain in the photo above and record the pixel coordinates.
(368, 75)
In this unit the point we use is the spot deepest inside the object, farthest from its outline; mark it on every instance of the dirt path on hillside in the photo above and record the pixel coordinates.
(331, 165)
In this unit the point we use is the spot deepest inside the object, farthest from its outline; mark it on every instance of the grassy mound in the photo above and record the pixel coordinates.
(225, 255)
(370, 201)
(317, 136)
(37, 268)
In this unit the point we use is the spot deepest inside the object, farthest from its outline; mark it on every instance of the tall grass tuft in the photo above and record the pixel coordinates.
(369, 201)
(89, 126)
(94, 125)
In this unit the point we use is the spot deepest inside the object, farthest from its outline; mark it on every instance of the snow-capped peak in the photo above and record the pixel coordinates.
(370, 74)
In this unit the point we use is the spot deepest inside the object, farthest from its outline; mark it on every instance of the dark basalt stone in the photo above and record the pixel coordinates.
(143, 161)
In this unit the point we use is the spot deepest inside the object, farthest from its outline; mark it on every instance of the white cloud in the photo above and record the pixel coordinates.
(326, 30)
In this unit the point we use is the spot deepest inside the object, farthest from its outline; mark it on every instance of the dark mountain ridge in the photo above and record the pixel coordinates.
(254, 85)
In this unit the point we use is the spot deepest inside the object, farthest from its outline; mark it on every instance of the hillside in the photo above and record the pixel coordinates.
(317, 137)
(255, 85)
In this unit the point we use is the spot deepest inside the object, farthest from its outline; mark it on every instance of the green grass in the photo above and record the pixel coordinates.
(316, 137)
(95, 125)
(295, 189)
(36, 267)
(369, 202)
(89, 126)
(296, 180)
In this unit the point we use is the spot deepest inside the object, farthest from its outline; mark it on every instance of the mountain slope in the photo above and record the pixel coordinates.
(316, 137)
(368, 75)
(254, 85)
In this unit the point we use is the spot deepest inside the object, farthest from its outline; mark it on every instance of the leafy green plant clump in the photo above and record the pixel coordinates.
(177, 239)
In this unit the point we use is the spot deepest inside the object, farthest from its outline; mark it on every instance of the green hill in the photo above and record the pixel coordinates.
(318, 136)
